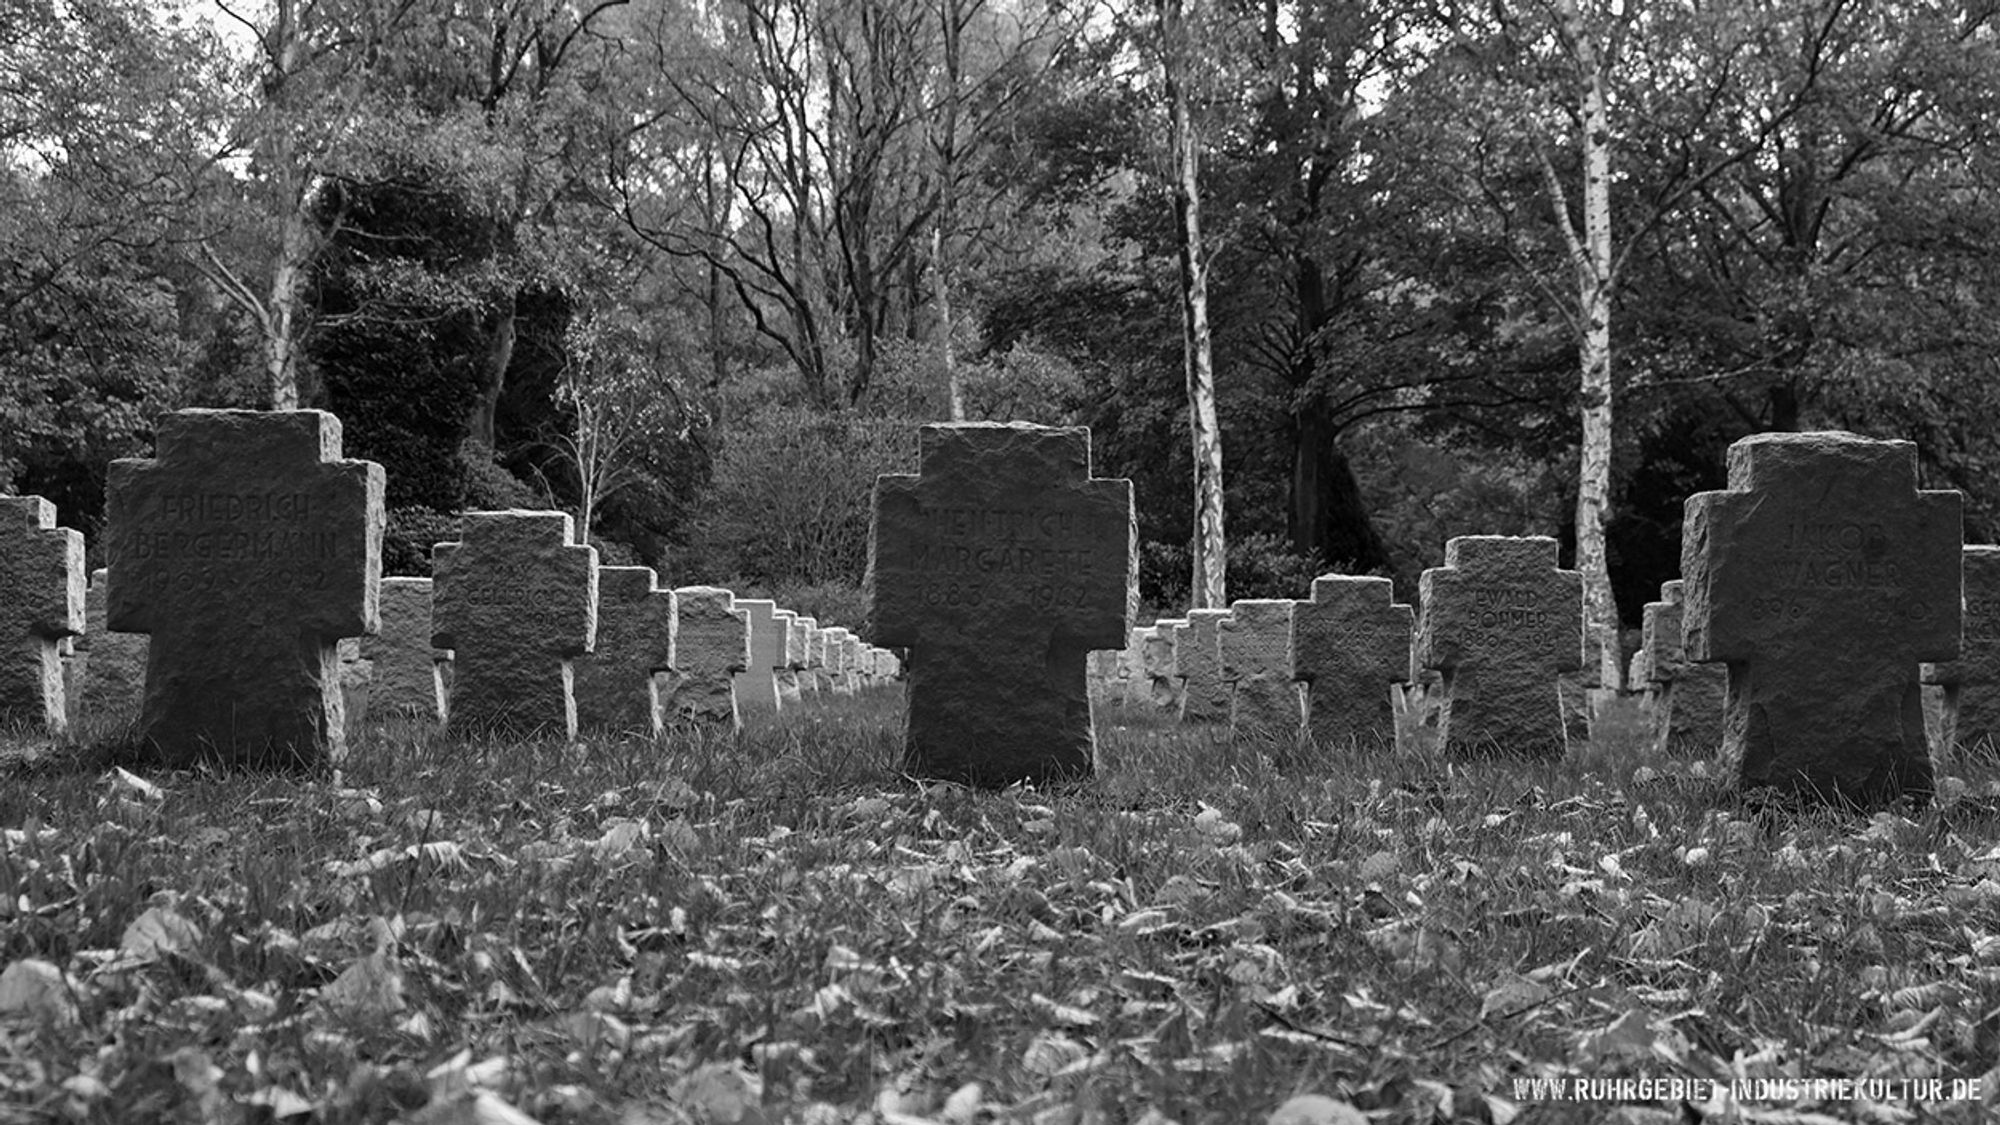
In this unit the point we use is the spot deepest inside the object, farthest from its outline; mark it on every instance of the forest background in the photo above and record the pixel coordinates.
(1383, 271)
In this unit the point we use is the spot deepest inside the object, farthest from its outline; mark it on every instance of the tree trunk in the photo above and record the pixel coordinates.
(941, 260)
(1593, 490)
(947, 354)
(1329, 520)
(499, 356)
(1209, 588)
(281, 334)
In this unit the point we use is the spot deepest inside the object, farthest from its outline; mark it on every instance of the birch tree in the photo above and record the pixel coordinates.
(1562, 74)
(1209, 587)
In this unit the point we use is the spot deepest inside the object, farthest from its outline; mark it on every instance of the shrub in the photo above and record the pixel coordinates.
(406, 544)
(789, 502)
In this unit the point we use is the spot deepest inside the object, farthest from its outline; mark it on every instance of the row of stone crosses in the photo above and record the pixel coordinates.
(519, 629)
(248, 549)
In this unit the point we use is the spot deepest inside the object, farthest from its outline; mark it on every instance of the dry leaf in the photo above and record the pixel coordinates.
(157, 932)
(35, 990)
(370, 989)
(1316, 1109)
(723, 1094)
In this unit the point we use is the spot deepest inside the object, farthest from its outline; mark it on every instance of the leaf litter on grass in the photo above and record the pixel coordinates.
(771, 928)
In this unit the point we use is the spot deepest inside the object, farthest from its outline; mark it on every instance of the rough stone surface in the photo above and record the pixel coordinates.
(711, 645)
(812, 659)
(246, 549)
(1823, 577)
(1162, 685)
(357, 685)
(793, 635)
(110, 667)
(1352, 645)
(409, 670)
(1501, 623)
(757, 685)
(1255, 643)
(41, 605)
(1969, 711)
(1132, 666)
(839, 677)
(1198, 663)
(616, 688)
(852, 661)
(516, 602)
(1107, 686)
(1000, 566)
(1687, 697)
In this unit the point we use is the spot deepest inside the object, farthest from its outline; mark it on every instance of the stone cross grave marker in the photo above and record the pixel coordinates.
(1970, 718)
(1687, 697)
(616, 689)
(111, 667)
(1106, 687)
(1823, 578)
(246, 549)
(838, 681)
(1352, 644)
(711, 645)
(1198, 663)
(1255, 643)
(357, 685)
(41, 604)
(1000, 565)
(793, 636)
(851, 662)
(516, 603)
(409, 669)
(1162, 686)
(812, 657)
(757, 684)
(1501, 623)
(1132, 664)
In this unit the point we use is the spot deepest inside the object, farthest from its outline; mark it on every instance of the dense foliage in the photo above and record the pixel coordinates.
(685, 269)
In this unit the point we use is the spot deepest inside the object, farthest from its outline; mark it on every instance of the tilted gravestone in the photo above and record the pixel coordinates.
(110, 667)
(616, 689)
(711, 645)
(1352, 645)
(1501, 623)
(409, 670)
(41, 604)
(1000, 566)
(1823, 577)
(516, 603)
(1161, 684)
(1255, 643)
(247, 549)
(757, 684)
(1198, 664)
(1687, 697)
(1970, 709)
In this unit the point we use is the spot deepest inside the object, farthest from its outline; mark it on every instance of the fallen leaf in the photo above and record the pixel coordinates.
(35, 990)
(1316, 1109)
(157, 932)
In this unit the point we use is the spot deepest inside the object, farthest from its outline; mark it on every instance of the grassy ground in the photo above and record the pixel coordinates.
(778, 927)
